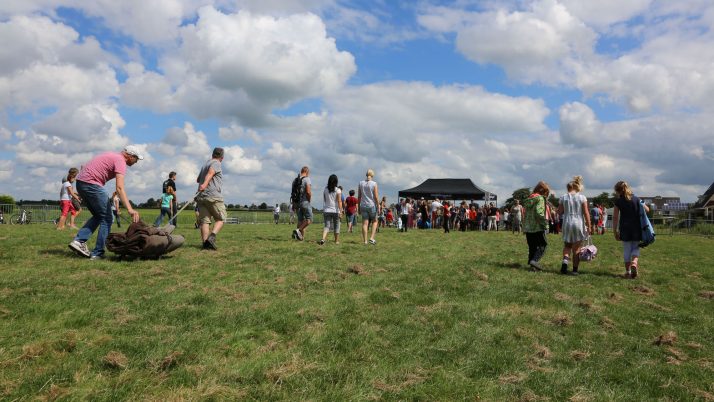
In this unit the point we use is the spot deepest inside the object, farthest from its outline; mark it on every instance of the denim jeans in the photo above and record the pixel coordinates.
(164, 211)
(100, 205)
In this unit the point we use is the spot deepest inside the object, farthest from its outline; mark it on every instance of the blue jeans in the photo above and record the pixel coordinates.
(100, 205)
(164, 211)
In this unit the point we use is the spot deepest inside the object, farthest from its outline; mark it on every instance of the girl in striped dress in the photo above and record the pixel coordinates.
(577, 227)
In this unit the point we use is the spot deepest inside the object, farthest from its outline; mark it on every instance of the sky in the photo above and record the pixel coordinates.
(505, 93)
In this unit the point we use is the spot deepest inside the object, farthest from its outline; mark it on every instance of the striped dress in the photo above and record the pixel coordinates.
(574, 228)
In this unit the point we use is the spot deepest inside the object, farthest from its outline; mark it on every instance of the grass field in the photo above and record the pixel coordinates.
(419, 316)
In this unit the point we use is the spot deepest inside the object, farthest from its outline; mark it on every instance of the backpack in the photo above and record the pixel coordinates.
(648, 234)
(296, 193)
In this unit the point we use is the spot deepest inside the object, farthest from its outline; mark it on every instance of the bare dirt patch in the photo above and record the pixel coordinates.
(562, 320)
(643, 290)
(707, 294)
(607, 323)
(655, 306)
(169, 362)
(115, 360)
(614, 297)
(579, 355)
(512, 378)
(562, 296)
(668, 338)
(357, 269)
(481, 276)
(288, 369)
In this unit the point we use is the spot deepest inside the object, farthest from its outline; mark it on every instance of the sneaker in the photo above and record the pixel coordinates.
(298, 234)
(210, 242)
(628, 274)
(321, 242)
(535, 266)
(633, 272)
(564, 268)
(97, 257)
(372, 241)
(79, 248)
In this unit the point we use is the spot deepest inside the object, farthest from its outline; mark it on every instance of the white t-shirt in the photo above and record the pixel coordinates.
(435, 206)
(330, 200)
(277, 209)
(64, 192)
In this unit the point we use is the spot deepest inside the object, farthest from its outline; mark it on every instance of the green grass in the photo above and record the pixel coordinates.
(421, 316)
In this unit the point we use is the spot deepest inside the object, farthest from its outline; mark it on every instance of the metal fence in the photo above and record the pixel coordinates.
(699, 227)
(51, 213)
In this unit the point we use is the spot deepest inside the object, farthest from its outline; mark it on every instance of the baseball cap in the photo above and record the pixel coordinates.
(133, 150)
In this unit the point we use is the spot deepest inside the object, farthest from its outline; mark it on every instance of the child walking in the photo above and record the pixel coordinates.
(626, 226)
(332, 209)
(573, 207)
(535, 224)
(165, 208)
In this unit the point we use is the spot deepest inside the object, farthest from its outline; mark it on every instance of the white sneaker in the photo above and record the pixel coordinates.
(298, 234)
(79, 248)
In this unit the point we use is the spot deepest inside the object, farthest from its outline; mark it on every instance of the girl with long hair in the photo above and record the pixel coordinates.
(332, 209)
(573, 207)
(626, 226)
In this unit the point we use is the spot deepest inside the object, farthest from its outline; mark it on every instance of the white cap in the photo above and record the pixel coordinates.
(133, 150)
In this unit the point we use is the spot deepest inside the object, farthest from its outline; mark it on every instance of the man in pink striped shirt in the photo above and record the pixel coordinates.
(90, 185)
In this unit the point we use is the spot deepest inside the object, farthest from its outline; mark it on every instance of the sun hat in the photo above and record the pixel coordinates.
(133, 150)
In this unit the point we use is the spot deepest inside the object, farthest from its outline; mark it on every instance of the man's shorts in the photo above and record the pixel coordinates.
(352, 219)
(304, 212)
(211, 208)
(369, 213)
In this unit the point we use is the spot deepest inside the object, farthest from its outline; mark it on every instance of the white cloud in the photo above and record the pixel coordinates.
(237, 162)
(6, 169)
(242, 66)
(188, 140)
(235, 132)
(603, 13)
(578, 125)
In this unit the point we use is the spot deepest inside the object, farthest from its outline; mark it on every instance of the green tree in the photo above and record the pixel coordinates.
(605, 199)
(6, 199)
(521, 194)
(263, 206)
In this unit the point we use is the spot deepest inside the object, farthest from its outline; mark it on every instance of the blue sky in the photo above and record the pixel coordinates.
(503, 92)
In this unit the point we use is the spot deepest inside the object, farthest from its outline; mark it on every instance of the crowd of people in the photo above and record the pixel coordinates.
(574, 217)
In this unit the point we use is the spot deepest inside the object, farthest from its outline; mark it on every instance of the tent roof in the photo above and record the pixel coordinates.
(704, 199)
(455, 189)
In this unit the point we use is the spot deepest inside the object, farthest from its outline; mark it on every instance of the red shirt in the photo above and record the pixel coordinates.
(447, 210)
(351, 203)
(472, 215)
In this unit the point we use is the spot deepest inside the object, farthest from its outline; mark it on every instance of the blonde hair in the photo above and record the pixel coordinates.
(542, 188)
(576, 184)
(370, 173)
(623, 189)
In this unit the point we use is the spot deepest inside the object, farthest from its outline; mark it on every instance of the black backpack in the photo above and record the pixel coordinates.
(296, 193)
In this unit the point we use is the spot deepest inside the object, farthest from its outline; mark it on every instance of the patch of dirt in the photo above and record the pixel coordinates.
(579, 397)
(588, 306)
(708, 396)
(562, 296)
(54, 393)
(643, 290)
(561, 320)
(656, 306)
(707, 294)
(4, 312)
(607, 323)
(357, 269)
(34, 350)
(512, 378)
(530, 396)
(614, 297)
(579, 355)
(169, 361)
(405, 381)
(312, 277)
(288, 369)
(542, 352)
(677, 354)
(693, 345)
(481, 276)
(115, 360)
(668, 338)
(280, 279)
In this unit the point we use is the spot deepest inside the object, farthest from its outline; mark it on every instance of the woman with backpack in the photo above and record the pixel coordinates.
(626, 226)
(332, 209)
(573, 207)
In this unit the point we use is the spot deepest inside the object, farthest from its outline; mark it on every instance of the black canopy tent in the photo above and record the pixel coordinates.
(450, 189)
